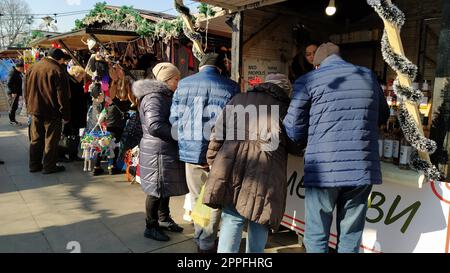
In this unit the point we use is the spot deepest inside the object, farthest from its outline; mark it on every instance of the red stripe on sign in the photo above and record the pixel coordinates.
(292, 218)
(331, 234)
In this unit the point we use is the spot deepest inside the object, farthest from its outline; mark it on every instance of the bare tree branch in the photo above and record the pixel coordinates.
(13, 22)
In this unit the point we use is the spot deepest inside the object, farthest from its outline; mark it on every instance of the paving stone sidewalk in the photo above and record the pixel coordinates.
(103, 214)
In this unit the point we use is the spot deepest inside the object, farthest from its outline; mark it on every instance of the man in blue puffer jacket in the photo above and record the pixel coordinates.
(196, 105)
(336, 111)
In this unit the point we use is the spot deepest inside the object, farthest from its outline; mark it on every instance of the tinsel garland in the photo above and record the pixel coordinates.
(398, 62)
(429, 170)
(388, 12)
(193, 36)
(416, 139)
(407, 93)
(392, 14)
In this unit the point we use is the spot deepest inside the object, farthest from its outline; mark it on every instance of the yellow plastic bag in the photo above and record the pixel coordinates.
(201, 214)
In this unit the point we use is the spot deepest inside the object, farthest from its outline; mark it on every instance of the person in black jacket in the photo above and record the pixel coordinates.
(115, 121)
(15, 90)
(162, 174)
(78, 111)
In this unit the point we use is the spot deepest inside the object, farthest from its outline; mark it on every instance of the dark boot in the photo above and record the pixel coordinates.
(156, 233)
(170, 225)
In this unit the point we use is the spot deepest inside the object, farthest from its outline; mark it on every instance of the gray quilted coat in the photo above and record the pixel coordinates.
(162, 174)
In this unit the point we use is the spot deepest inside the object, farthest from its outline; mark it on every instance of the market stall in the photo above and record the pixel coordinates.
(404, 215)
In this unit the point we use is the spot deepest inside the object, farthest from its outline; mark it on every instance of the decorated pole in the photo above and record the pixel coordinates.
(409, 117)
(189, 29)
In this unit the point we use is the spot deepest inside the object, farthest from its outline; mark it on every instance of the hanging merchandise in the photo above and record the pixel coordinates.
(97, 143)
(391, 14)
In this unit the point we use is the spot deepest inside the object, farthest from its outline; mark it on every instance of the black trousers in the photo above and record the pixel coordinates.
(157, 210)
(14, 106)
(45, 136)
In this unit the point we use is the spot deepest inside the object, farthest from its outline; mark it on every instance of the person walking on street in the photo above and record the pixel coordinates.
(196, 105)
(336, 111)
(15, 90)
(248, 178)
(48, 102)
(162, 174)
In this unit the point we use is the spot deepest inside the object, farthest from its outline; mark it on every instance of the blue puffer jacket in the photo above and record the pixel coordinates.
(336, 111)
(196, 105)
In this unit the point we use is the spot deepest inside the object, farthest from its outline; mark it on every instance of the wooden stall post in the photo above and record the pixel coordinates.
(396, 43)
(237, 41)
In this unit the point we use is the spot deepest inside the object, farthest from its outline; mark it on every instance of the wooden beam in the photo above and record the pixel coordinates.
(263, 32)
(258, 4)
(74, 58)
(396, 43)
(237, 49)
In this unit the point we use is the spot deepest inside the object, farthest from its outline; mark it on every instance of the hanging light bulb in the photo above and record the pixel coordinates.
(331, 9)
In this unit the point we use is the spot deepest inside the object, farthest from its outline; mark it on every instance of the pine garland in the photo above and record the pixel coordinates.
(392, 14)
(128, 18)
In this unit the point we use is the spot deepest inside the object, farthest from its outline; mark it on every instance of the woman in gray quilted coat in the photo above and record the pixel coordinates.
(162, 174)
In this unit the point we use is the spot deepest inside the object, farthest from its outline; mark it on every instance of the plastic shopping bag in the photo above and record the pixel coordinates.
(201, 214)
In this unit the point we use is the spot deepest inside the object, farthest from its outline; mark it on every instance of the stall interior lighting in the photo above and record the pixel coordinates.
(331, 9)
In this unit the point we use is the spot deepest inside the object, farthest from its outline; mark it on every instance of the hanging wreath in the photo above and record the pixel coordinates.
(392, 14)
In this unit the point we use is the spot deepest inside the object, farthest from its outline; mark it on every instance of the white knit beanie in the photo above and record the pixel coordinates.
(165, 71)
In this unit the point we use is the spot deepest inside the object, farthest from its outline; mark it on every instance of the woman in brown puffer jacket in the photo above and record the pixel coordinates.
(248, 170)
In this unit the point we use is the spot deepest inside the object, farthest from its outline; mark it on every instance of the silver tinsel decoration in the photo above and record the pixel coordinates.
(407, 93)
(402, 65)
(398, 62)
(388, 12)
(411, 133)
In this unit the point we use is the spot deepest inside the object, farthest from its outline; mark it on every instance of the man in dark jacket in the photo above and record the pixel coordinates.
(336, 111)
(48, 102)
(15, 90)
(197, 103)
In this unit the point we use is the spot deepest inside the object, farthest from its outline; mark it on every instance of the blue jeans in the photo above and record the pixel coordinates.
(351, 208)
(231, 233)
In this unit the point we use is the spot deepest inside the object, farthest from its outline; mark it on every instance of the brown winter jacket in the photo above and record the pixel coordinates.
(47, 90)
(249, 174)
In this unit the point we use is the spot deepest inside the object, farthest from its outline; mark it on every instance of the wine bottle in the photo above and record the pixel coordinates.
(405, 154)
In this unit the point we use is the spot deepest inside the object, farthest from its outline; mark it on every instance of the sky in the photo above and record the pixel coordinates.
(43, 8)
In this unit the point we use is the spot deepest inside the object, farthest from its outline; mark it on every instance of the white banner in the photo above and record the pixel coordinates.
(401, 219)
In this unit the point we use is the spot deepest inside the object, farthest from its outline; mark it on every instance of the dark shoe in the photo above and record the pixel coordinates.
(15, 123)
(213, 250)
(98, 171)
(37, 170)
(57, 169)
(2, 162)
(171, 226)
(156, 233)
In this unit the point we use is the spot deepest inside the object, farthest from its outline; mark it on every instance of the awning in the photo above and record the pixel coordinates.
(11, 53)
(74, 40)
(42, 42)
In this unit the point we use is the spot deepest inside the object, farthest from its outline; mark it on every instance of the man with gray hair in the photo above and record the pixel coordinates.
(336, 111)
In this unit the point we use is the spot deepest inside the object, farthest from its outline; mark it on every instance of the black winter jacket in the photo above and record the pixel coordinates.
(15, 82)
(162, 174)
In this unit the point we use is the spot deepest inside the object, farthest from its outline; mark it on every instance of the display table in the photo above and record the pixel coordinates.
(401, 217)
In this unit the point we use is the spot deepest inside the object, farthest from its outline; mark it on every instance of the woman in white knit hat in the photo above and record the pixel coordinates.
(162, 174)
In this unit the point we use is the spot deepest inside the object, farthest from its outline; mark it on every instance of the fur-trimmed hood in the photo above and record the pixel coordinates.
(142, 88)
